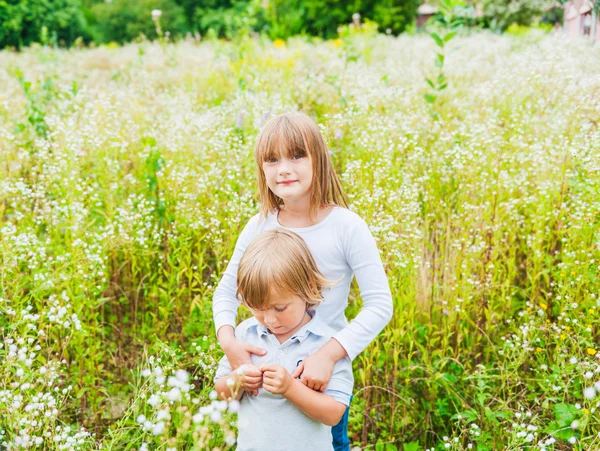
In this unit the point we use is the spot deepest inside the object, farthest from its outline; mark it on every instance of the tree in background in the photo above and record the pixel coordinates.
(124, 20)
(226, 18)
(323, 17)
(23, 22)
(503, 13)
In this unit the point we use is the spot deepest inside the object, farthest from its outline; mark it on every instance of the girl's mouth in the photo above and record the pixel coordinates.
(287, 182)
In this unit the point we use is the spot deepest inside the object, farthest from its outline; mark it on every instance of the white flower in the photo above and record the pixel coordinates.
(234, 406)
(174, 394)
(230, 440)
(141, 418)
(163, 415)
(158, 428)
(573, 360)
(213, 395)
(198, 418)
(572, 440)
(146, 372)
(215, 416)
(154, 400)
(588, 375)
(156, 13)
(589, 392)
(529, 438)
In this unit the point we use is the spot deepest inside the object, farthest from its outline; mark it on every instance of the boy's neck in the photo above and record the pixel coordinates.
(282, 338)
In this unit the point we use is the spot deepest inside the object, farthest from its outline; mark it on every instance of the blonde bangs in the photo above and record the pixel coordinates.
(293, 134)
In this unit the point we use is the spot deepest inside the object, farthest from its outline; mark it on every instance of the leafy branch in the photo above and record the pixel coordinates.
(449, 25)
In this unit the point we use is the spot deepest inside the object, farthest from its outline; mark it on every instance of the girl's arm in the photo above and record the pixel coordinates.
(226, 303)
(363, 257)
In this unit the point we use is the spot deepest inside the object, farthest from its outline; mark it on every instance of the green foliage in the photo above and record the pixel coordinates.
(125, 186)
(122, 20)
(47, 21)
(448, 26)
(502, 13)
(323, 17)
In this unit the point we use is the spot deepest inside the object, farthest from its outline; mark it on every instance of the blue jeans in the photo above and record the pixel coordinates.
(339, 433)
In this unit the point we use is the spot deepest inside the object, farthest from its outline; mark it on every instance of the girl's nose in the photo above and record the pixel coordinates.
(284, 167)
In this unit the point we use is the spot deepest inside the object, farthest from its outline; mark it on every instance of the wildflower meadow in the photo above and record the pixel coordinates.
(127, 173)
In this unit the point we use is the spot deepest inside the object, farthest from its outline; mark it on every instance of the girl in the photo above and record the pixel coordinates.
(300, 191)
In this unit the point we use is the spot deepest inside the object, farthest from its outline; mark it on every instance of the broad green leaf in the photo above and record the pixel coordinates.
(429, 98)
(439, 41)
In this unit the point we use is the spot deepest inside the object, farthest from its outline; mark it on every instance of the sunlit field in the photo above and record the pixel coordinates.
(126, 175)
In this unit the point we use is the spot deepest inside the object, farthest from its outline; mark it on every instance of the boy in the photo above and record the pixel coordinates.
(278, 280)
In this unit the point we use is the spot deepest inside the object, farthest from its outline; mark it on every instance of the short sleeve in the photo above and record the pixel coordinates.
(223, 369)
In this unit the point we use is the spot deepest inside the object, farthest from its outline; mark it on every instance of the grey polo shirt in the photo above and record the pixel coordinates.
(269, 421)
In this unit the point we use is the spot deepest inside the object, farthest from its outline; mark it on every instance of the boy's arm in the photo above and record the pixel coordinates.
(318, 406)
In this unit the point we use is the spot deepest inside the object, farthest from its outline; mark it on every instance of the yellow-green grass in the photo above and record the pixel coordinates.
(126, 175)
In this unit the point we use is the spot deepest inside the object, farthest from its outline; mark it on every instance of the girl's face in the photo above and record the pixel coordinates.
(284, 315)
(289, 178)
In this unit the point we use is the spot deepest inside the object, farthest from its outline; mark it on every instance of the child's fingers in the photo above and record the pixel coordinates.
(298, 371)
(269, 367)
(252, 378)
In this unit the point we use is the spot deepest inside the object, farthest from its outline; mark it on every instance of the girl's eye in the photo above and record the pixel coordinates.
(297, 156)
(280, 309)
(271, 160)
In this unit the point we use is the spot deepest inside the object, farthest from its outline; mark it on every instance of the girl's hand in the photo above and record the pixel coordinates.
(276, 379)
(238, 352)
(316, 371)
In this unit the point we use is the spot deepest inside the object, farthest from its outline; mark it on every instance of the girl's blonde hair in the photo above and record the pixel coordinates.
(291, 134)
(279, 259)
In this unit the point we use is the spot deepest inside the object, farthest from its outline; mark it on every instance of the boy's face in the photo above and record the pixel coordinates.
(284, 314)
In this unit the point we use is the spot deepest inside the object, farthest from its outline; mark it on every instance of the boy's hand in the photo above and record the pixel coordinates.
(276, 379)
(250, 378)
(316, 371)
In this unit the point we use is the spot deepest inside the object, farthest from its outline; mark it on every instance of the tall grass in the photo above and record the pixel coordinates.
(126, 175)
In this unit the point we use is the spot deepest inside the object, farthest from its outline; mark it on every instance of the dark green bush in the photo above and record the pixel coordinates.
(54, 21)
(226, 18)
(323, 17)
(124, 20)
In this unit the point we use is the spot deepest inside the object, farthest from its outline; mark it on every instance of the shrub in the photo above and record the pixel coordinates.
(502, 13)
(27, 21)
(122, 20)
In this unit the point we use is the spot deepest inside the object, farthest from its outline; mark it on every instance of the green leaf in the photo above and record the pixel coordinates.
(430, 83)
(449, 36)
(439, 41)
(379, 445)
(439, 60)
(412, 446)
(430, 98)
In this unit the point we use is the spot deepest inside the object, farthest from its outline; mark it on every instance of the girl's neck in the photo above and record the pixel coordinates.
(295, 217)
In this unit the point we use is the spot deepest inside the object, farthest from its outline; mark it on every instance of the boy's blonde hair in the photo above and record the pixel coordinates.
(279, 259)
(290, 134)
